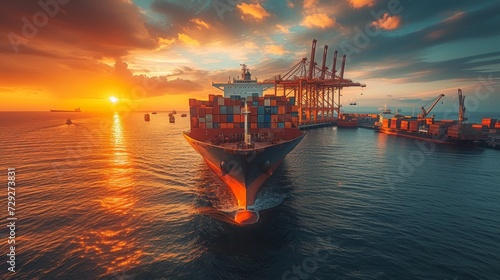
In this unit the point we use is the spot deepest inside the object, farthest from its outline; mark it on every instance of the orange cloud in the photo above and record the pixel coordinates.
(290, 4)
(282, 28)
(309, 3)
(275, 49)
(188, 40)
(321, 20)
(388, 22)
(361, 3)
(200, 23)
(254, 10)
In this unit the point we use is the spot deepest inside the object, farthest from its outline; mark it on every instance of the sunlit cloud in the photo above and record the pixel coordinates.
(165, 43)
(361, 3)
(309, 3)
(256, 11)
(188, 40)
(320, 20)
(282, 28)
(290, 4)
(275, 49)
(200, 23)
(387, 22)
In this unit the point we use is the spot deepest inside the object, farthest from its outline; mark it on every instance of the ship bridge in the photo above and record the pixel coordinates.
(243, 87)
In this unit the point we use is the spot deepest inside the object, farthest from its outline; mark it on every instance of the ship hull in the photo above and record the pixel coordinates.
(429, 138)
(244, 170)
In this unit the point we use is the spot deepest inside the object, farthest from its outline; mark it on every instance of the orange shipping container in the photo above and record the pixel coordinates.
(281, 110)
(223, 125)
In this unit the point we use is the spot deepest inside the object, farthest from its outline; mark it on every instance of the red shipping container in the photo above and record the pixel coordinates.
(192, 102)
(274, 125)
(216, 118)
(261, 102)
(227, 102)
(273, 102)
(281, 110)
(274, 118)
(201, 112)
(253, 119)
(253, 111)
(194, 122)
(253, 125)
(223, 118)
(209, 110)
(202, 125)
(237, 118)
(281, 118)
(216, 110)
(211, 97)
(223, 125)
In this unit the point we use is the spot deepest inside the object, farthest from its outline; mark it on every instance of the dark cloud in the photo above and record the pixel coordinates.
(103, 28)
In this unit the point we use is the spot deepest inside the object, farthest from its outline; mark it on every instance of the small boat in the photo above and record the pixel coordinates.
(68, 121)
(146, 117)
(184, 115)
(171, 118)
(154, 113)
(174, 112)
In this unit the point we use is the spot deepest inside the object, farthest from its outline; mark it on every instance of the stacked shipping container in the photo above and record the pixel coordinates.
(226, 113)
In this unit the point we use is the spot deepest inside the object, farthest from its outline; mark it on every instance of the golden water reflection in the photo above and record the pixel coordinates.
(114, 245)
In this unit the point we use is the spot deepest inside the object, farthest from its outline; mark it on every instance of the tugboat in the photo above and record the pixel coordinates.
(68, 121)
(171, 118)
(244, 136)
(146, 117)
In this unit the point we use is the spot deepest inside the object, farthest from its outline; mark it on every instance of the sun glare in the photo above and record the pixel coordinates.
(113, 99)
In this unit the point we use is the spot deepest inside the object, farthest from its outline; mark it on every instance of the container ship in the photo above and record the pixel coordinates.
(66, 111)
(243, 136)
(454, 132)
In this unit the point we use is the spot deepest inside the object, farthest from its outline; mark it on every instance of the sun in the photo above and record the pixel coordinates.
(113, 99)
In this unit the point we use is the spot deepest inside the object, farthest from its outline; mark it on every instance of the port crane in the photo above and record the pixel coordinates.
(424, 113)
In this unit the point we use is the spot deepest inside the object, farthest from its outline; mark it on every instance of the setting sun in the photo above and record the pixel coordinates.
(113, 99)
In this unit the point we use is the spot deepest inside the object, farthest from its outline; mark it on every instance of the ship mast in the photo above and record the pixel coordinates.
(248, 139)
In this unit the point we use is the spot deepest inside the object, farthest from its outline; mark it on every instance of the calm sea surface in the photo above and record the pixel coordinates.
(114, 197)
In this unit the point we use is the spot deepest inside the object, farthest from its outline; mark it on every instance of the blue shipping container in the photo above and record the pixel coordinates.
(223, 110)
(230, 118)
(260, 110)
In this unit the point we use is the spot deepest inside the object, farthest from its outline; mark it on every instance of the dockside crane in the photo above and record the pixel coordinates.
(424, 113)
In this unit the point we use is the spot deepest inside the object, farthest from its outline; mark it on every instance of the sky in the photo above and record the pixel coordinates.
(156, 54)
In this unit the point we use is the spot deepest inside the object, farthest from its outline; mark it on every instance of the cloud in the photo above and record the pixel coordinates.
(275, 49)
(320, 20)
(200, 23)
(310, 3)
(188, 40)
(256, 11)
(282, 28)
(115, 28)
(387, 22)
(362, 3)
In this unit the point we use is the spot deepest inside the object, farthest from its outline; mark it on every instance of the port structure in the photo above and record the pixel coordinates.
(314, 88)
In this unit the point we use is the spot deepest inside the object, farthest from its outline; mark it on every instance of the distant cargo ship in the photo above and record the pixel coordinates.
(71, 111)
(428, 129)
(348, 121)
(244, 136)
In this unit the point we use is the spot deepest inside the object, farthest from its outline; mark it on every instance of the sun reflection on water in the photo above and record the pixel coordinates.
(113, 245)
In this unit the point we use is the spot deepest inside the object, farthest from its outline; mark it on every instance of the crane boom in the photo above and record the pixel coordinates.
(424, 113)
